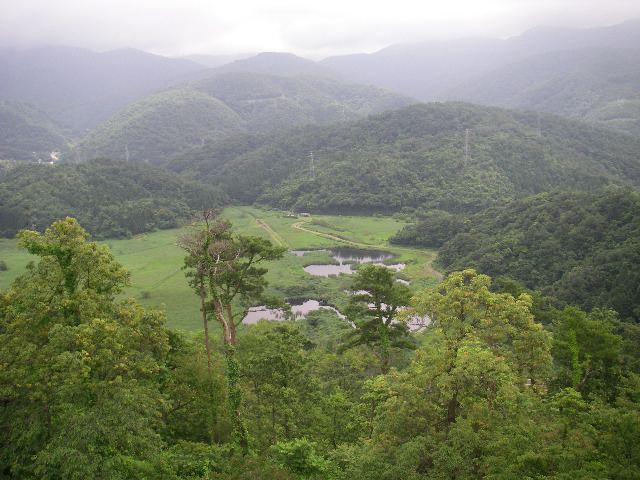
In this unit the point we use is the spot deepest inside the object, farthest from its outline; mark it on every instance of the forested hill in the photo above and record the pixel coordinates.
(581, 248)
(28, 133)
(112, 199)
(182, 118)
(596, 85)
(415, 157)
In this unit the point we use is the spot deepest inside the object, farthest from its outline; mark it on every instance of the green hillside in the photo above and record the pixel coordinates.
(415, 157)
(179, 119)
(27, 133)
(596, 85)
(269, 102)
(580, 248)
(110, 198)
(160, 126)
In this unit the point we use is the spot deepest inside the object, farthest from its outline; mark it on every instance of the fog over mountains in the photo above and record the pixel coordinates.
(588, 74)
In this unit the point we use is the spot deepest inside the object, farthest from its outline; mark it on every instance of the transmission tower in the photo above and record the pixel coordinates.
(466, 145)
(313, 169)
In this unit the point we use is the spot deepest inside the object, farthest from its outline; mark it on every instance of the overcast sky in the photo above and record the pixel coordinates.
(314, 29)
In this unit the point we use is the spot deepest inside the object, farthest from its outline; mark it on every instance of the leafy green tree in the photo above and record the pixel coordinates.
(223, 268)
(441, 413)
(374, 309)
(283, 397)
(79, 372)
(587, 350)
(299, 457)
(463, 309)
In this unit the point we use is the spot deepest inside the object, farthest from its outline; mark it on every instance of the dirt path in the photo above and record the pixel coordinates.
(299, 226)
(429, 270)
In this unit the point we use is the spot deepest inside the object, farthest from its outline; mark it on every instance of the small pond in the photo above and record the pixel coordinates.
(346, 256)
(261, 312)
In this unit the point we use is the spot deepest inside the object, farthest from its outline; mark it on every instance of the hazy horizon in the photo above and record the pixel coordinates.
(171, 28)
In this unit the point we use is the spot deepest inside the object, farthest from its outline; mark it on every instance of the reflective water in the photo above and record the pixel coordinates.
(346, 256)
(261, 312)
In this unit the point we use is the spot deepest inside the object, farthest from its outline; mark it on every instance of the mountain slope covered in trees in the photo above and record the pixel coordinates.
(595, 85)
(113, 199)
(580, 248)
(159, 126)
(28, 133)
(415, 157)
(179, 119)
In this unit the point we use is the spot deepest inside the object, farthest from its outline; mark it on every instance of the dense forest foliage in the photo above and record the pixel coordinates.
(27, 133)
(91, 387)
(111, 198)
(188, 116)
(157, 127)
(594, 85)
(415, 157)
(579, 248)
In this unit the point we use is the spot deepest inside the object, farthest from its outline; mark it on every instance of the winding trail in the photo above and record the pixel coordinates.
(428, 268)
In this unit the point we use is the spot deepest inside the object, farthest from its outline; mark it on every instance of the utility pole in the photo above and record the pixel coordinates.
(126, 153)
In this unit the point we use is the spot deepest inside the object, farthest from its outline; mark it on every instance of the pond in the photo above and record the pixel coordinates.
(346, 257)
(261, 312)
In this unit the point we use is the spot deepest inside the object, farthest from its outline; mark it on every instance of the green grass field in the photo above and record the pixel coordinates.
(157, 278)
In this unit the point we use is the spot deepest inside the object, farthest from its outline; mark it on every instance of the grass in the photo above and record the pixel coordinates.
(157, 278)
(15, 259)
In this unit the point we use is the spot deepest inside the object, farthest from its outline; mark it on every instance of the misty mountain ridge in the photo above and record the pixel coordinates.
(184, 117)
(423, 70)
(279, 63)
(83, 88)
(600, 86)
(213, 61)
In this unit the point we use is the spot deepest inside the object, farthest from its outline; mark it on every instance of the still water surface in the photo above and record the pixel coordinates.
(346, 257)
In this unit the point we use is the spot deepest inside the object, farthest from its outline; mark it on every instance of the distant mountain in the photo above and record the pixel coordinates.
(424, 70)
(84, 88)
(179, 119)
(213, 61)
(27, 133)
(279, 64)
(455, 157)
(596, 85)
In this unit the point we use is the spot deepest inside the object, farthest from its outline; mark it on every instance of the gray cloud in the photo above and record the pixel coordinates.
(174, 27)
